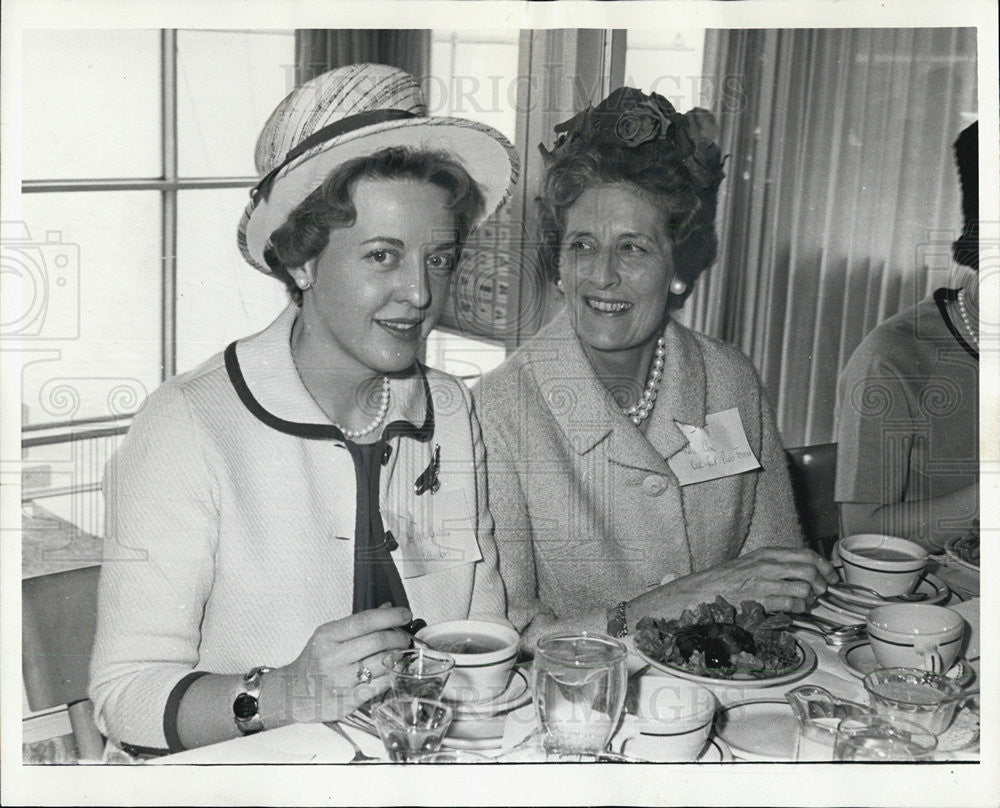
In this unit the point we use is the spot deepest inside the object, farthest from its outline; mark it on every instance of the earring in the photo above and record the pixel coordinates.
(678, 287)
(559, 283)
(303, 283)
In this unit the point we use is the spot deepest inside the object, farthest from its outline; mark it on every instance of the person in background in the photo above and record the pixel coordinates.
(908, 426)
(634, 466)
(276, 513)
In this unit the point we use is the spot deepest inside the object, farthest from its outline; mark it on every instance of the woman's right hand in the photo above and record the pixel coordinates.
(323, 683)
(780, 578)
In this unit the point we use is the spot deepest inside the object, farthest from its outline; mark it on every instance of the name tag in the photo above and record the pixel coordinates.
(436, 534)
(719, 449)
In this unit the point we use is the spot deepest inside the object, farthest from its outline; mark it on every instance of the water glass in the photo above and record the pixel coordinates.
(579, 682)
(410, 728)
(883, 739)
(418, 672)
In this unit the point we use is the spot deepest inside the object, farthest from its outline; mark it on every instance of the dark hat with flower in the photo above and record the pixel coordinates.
(647, 124)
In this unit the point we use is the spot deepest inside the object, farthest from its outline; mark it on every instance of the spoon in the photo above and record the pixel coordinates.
(910, 597)
(359, 755)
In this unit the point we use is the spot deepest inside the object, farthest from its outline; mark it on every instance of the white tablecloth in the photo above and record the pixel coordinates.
(316, 743)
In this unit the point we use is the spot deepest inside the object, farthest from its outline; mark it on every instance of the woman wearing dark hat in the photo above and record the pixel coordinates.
(908, 426)
(634, 466)
(273, 514)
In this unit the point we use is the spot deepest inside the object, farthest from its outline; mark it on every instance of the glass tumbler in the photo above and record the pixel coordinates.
(418, 672)
(410, 728)
(579, 682)
(884, 739)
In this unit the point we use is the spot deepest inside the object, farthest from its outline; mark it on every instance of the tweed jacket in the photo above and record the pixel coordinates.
(587, 510)
(231, 515)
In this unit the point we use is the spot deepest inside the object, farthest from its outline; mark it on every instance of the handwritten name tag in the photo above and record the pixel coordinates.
(434, 533)
(719, 449)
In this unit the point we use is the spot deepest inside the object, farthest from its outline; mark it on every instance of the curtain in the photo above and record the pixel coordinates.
(319, 50)
(841, 197)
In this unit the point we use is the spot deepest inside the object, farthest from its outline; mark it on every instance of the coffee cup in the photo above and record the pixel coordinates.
(915, 635)
(674, 720)
(889, 565)
(484, 652)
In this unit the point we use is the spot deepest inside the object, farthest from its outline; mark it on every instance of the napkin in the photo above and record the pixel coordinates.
(296, 743)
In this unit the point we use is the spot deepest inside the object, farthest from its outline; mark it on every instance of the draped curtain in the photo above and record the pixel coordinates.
(319, 50)
(841, 198)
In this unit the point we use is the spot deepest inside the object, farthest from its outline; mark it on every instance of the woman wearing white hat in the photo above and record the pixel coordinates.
(265, 505)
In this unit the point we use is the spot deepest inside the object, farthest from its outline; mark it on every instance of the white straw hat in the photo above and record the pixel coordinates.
(351, 112)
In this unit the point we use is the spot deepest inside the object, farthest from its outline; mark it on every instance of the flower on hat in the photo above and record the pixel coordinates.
(628, 118)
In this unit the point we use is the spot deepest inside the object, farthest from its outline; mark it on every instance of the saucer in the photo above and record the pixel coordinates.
(858, 604)
(859, 660)
(480, 725)
(761, 730)
(517, 692)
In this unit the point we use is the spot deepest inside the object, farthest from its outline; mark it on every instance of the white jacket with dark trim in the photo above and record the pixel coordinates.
(230, 526)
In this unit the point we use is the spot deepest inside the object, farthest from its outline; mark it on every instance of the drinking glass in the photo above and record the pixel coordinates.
(410, 728)
(579, 682)
(882, 738)
(418, 672)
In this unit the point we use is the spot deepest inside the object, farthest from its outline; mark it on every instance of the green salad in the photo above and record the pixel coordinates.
(717, 641)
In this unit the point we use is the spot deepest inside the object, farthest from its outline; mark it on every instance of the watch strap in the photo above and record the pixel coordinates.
(246, 704)
(618, 623)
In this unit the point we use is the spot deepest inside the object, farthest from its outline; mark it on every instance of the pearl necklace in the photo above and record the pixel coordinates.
(383, 408)
(640, 411)
(965, 317)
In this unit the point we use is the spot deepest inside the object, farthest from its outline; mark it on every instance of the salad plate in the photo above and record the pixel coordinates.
(805, 664)
(759, 730)
(714, 643)
(964, 551)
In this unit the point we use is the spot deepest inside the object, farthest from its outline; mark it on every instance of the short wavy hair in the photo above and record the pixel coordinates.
(306, 231)
(660, 168)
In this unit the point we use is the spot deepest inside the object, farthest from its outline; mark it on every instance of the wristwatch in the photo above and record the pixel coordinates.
(618, 623)
(246, 710)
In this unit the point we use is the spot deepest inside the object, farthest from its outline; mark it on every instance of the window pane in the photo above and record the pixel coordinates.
(220, 297)
(668, 62)
(473, 75)
(90, 270)
(228, 83)
(461, 356)
(91, 104)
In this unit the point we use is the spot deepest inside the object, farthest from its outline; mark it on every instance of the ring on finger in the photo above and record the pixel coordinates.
(363, 674)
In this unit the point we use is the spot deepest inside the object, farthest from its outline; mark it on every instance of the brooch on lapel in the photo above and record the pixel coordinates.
(428, 480)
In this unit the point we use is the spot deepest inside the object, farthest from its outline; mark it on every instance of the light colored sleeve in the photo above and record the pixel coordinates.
(874, 438)
(488, 598)
(775, 522)
(157, 573)
(512, 522)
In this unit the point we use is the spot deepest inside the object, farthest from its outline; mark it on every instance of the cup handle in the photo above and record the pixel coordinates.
(932, 657)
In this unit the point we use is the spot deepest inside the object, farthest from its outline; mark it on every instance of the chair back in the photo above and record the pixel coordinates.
(813, 470)
(59, 613)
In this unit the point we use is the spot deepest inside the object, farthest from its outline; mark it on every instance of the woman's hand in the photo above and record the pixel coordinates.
(325, 683)
(780, 578)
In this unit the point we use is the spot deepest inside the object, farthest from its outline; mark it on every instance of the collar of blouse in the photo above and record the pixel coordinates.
(266, 363)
